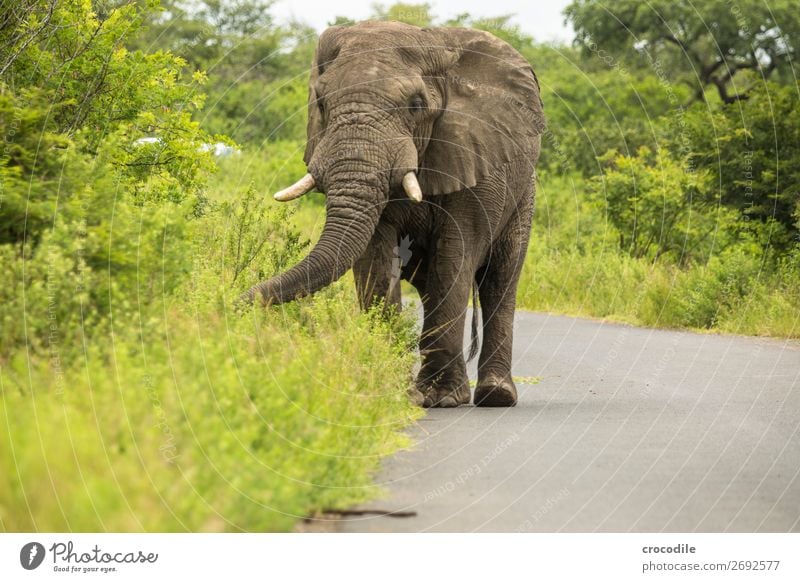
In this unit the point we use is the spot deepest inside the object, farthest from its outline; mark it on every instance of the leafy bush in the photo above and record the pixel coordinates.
(134, 397)
(119, 259)
(595, 103)
(574, 266)
(91, 222)
(752, 148)
(661, 208)
(211, 424)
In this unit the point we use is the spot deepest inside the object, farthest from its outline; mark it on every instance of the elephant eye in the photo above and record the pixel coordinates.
(321, 106)
(417, 103)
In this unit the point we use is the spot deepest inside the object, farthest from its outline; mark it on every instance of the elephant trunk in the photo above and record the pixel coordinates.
(352, 216)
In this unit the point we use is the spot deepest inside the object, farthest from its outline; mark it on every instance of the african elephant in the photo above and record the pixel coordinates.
(427, 135)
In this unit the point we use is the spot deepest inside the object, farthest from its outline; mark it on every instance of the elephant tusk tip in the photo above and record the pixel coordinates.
(411, 187)
(284, 196)
(296, 190)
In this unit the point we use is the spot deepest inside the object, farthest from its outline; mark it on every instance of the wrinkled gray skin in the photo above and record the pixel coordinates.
(461, 109)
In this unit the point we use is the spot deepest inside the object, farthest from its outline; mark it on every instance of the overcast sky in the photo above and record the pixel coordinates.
(540, 18)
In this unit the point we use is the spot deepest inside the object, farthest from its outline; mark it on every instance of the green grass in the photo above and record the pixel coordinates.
(217, 423)
(180, 413)
(574, 267)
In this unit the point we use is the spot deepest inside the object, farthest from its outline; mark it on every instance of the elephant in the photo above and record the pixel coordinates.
(423, 139)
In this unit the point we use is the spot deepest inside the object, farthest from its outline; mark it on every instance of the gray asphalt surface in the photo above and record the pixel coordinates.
(628, 429)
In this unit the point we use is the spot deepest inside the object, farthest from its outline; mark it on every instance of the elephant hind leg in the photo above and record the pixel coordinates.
(495, 385)
(497, 285)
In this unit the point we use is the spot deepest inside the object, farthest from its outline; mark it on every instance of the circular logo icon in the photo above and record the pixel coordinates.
(31, 555)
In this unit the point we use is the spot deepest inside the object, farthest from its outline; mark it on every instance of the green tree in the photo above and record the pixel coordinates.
(753, 150)
(91, 97)
(704, 44)
(254, 65)
(88, 211)
(231, 40)
(595, 103)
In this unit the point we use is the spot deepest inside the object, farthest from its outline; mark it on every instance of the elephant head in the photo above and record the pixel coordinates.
(394, 108)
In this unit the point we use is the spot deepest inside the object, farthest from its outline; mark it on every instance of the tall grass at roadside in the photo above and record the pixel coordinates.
(214, 423)
(574, 266)
(182, 412)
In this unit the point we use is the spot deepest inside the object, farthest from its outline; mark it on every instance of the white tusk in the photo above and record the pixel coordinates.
(303, 186)
(411, 186)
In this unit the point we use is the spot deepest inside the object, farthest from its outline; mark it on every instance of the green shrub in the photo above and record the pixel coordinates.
(92, 222)
(110, 244)
(574, 266)
(752, 148)
(134, 397)
(185, 414)
(214, 423)
(662, 209)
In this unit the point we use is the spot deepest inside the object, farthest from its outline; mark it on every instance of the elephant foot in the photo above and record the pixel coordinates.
(416, 397)
(494, 392)
(445, 397)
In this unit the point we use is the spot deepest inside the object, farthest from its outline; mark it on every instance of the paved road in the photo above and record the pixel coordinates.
(628, 429)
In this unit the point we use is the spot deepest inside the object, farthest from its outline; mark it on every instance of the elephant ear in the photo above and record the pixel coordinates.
(492, 113)
(326, 53)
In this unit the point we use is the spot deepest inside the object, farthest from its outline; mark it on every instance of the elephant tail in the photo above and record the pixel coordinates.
(473, 340)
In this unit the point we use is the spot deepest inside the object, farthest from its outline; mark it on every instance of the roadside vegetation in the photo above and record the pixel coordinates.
(136, 395)
(669, 198)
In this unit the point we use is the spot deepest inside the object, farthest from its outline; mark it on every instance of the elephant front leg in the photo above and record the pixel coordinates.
(442, 379)
(377, 271)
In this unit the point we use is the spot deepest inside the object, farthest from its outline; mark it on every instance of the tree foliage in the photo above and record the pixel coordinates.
(752, 150)
(660, 210)
(256, 68)
(89, 214)
(703, 44)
